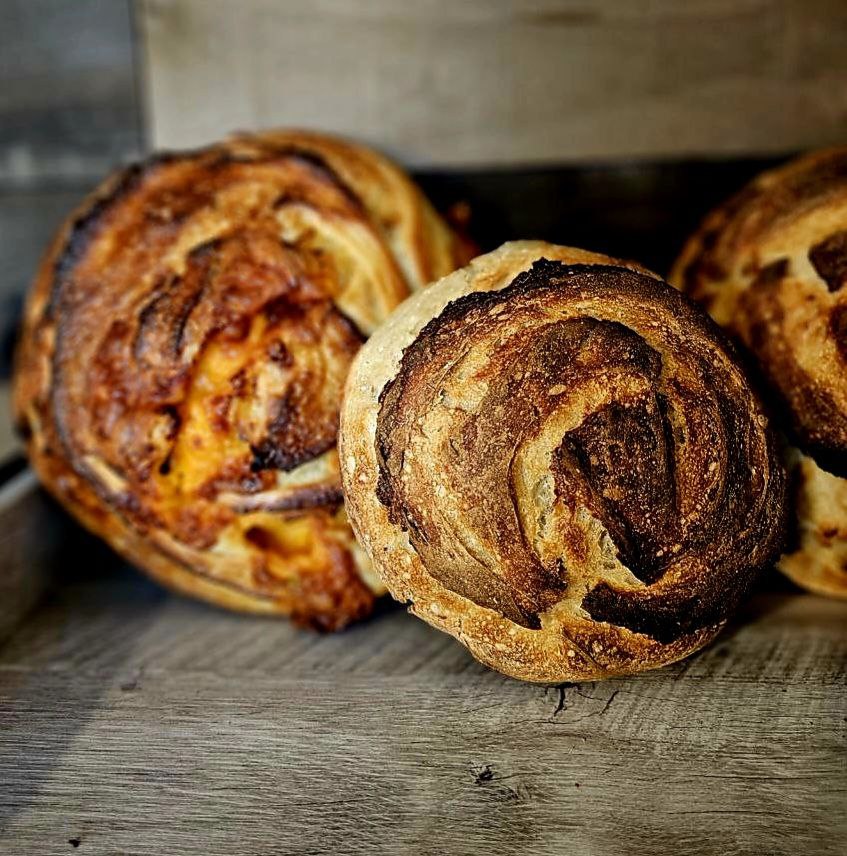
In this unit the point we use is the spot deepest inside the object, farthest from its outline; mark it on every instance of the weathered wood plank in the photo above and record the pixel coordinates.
(27, 546)
(68, 105)
(506, 82)
(28, 219)
(137, 722)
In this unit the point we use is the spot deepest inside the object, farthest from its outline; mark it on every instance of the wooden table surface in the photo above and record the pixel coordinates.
(135, 721)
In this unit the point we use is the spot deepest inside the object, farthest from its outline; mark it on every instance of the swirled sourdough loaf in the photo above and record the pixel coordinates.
(770, 265)
(184, 351)
(557, 458)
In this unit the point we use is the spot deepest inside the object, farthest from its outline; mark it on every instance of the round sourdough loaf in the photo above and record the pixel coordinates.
(557, 458)
(184, 350)
(770, 265)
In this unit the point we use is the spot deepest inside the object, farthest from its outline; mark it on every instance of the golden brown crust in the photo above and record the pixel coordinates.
(558, 459)
(817, 558)
(185, 347)
(770, 265)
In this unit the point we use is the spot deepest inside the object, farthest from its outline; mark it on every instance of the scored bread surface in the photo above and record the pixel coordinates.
(184, 351)
(557, 458)
(770, 265)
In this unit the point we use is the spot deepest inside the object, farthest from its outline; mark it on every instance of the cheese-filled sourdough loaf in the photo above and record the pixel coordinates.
(558, 459)
(770, 265)
(184, 350)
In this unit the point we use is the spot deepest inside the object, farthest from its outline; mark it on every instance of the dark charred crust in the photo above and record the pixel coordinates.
(612, 452)
(838, 329)
(829, 259)
(283, 308)
(666, 619)
(329, 497)
(85, 226)
(621, 462)
(731, 239)
(148, 315)
(321, 170)
(272, 455)
(279, 354)
(771, 274)
(171, 305)
(200, 259)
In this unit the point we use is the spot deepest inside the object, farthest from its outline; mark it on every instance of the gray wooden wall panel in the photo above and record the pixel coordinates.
(483, 82)
(68, 103)
(69, 112)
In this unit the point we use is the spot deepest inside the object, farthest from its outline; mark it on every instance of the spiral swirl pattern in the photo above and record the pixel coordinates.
(770, 265)
(558, 459)
(185, 348)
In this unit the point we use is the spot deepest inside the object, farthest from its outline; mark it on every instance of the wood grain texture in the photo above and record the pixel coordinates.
(132, 721)
(512, 81)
